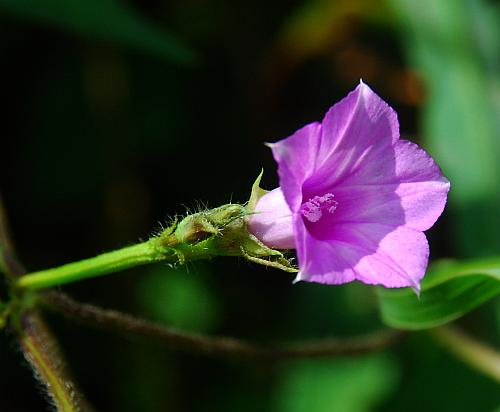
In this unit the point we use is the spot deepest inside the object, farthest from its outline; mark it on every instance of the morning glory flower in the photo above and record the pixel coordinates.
(354, 199)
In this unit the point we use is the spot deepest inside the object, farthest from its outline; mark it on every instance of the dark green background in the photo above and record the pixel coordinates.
(120, 114)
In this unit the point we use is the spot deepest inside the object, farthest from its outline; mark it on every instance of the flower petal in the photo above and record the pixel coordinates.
(361, 125)
(414, 196)
(396, 258)
(423, 189)
(323, 261)
(296, 157)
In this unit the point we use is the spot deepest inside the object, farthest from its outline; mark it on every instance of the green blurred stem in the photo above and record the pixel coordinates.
(476, 354)
(154, 250)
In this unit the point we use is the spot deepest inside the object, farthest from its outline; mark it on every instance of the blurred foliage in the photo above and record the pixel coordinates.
(106, 131)
(102, 19)
(342, 385)
(179, 299)
(450, 289)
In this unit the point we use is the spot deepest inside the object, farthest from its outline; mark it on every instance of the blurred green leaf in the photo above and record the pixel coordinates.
(341, 385)
(178, 298)
(102, 19)
(449, 290)
(460, 117)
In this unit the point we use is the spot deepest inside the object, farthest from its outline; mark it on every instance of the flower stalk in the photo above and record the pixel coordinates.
(217, 232)
(110, 262)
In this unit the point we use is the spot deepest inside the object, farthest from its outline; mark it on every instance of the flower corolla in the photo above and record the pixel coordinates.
(354, 199)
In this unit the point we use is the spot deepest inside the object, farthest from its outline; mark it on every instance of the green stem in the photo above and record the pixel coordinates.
(477, 354)
(110, 262)
(154, 250)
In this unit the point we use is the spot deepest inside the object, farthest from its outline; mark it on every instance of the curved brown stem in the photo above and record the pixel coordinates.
(217, 346)
(9, 264)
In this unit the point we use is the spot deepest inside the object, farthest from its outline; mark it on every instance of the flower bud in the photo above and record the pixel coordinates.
(271, 222)
(224, 231)
(203, 225)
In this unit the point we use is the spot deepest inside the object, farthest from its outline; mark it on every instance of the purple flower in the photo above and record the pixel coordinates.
(354, 199)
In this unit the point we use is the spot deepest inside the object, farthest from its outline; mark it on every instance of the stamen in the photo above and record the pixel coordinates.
(313, 209)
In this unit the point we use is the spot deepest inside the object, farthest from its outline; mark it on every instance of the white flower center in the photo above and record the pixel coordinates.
(313, 209)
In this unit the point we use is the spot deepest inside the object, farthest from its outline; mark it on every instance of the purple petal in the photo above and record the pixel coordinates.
(414, 196)
(321, 261)
(359, 127)
(296, 157)
(423, 189)
(400, 261)
(368, 253)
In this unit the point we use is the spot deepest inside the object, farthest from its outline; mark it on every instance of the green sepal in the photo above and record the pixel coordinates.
(254, 250)
(223, 232)
(257, 192)
(236, 240)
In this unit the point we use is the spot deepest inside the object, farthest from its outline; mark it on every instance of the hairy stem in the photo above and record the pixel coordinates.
(476, 354)
(151, 251)
(42, 352)
(39, 346)
(9, 265)
(216, 346)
